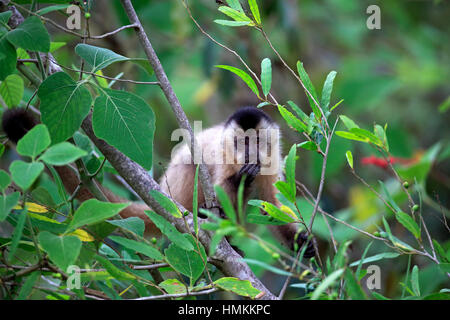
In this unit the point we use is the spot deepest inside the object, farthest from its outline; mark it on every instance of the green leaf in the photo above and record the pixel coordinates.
(64, 105)
(349, 123)
(34, 142)
(258, 218)
(244, 76)
(266, 76)
(11, 90)
(98, 58)
(350, 136)
(62, 153)
(308, 145)
(328, 281)
(117, 273)
(133, 224)
(5, 180)
(62, 250)
(231, 23)
(30, 35)
(226, 203)
(234, 14)
(4, 17)
(370, 137)
(415, 280)
(24, 174)
(327, 89)
(290, 171)
(140, 247)
(255, 10)
(27, 287)
(17, 235)
(310, 87)
(93, 211)
(166, 203)
(187, 262)
(291, 120)
(173, 286)
(408, 222)
(354, 289)
(7, 202)
(170, 231)
(235, 4)
(277, 213)
(349, 157)
(126, 122)
(286, 190)
(8, 56)
(237, 286)
(52, 8)
(381, 134)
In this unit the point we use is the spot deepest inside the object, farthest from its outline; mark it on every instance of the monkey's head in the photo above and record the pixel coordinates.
(251, 136)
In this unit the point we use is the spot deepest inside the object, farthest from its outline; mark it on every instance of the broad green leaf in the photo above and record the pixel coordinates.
(244, 76)
(187, 262)
(34, 142)
(133, 224)
(327, 89)
(291, 120)
(308, 145)
(5, 180)
(277, 213)
(62, 250)
(231, 23)
(99, 58)
(166, 203)
(93, 211)
(255, 10)
(17, 235)
(349, 157)
(140, 247)
(353, 288)
(225, 203)
(237, 286)
(11, 90)
(173, 286)
(117, 273)
(24, 174)
(234, 14)
(30, 35)
(125, 121)
(170, 231)
(368, 135)
(415, 280)
(408, 222)
(4, 17)
(350, 136)
(266, 76)
(62, 153)
(27, 287)
(64, 105)
(310, 87)
(7, 203)
(328, 281)
(286, 190)
(349, 123)
(8, 56)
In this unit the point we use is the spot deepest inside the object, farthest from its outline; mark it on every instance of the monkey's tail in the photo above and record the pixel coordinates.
(17, 122)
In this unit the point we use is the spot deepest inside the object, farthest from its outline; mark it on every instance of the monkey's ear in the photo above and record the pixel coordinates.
(17, 122)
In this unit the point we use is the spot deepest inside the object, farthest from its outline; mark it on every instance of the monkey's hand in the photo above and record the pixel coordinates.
(250, 170)
(302, 239)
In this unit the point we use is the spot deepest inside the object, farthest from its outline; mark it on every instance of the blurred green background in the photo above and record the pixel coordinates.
(398, 75)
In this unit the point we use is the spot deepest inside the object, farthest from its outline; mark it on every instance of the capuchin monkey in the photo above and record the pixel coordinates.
(246, 146)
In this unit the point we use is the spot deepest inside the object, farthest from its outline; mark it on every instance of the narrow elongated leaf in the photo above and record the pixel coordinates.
(170, 231)
(349, 157)
(166, 203)
(255, 10)
(349, 123)
(327, 89)
(368, 135)
(125, 121)
(235, 4)
(62, 153)
(117, 273)
(11, 90)
(408, 222)
(24, 174)
(93, 211)
(133, 224)
(244, 76)
(62, 250)
(290, 170)
(30, 35)
(27, 287)
(137, 246)
(291, 120)
(328, 281)
(64, 105)
(415, 280)
(231, 23)
(310, 87)
(226, 203)
(266, 76)
(237, 286)
(354, 289)
(34, 142)
(234, 14)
